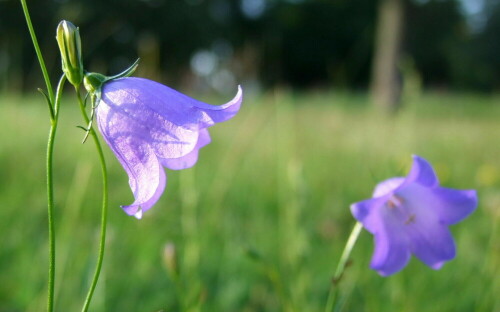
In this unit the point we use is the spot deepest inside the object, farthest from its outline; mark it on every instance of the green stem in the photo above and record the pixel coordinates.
(54, 116)
(38, 51)
(50, 196)
(342, 265)
(104, 211)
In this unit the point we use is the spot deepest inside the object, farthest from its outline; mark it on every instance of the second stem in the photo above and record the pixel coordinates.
(332, 295)
(104, 209)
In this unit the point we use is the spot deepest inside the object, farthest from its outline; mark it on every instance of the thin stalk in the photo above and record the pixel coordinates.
(53, 102)
(50, 196)
(38, 51)
(104, 208)
(342, 265)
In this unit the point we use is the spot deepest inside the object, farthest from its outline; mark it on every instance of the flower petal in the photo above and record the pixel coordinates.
(391, 250)
(429, 238)
(387, 186)
(221, 113)
(431, 243)
(421, 172)
(146, 176)
(187, 161)
(180, 109)
(367, 212)
(137, 209)
(452, 205)
(121, 113)
(391, 247)
(170, 119)
(148, 125)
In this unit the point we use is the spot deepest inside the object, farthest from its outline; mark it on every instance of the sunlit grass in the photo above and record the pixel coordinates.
(260, 221)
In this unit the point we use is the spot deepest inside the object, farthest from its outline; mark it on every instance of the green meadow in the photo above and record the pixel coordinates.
(259, 223)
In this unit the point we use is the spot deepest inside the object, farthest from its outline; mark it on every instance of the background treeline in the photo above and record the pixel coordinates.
(301, 43)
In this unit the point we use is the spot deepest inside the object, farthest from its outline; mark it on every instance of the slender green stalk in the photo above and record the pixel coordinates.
(38, 51)
(54, 115)
(341, 266)
(50, 196)
(104, 211)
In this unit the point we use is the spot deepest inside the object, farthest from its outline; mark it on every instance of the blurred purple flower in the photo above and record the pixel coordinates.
(149, 125)
(410, 216)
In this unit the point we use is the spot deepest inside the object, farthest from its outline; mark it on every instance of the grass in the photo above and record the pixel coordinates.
(260, 222)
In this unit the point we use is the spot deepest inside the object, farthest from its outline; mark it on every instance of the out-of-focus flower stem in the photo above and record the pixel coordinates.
(342, 265)
(104, 209)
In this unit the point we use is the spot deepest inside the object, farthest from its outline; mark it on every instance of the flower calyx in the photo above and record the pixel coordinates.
(93, 82)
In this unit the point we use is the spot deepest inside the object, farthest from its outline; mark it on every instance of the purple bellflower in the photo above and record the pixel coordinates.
(149, 126)
(410, 216)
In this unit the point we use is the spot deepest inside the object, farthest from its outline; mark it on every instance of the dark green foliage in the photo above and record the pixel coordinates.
(305, 43)
(434, 31)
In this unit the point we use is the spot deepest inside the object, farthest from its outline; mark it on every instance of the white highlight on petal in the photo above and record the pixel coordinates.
(138, 214)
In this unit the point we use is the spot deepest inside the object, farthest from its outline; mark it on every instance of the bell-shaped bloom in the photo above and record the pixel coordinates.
(150, 126)
(411, 216)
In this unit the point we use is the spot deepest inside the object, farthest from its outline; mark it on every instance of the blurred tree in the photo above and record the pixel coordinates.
(319, 42)
(18, 64)
(302, 43)
(386, 83)
(435, 38)
(484, 70)
(433, 33)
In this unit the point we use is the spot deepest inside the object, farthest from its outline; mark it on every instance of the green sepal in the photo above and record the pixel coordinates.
(93, 82)
(127, 72)
(51, 109)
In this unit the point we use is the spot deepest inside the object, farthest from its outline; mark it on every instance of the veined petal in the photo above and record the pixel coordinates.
(422, 173)
(187, 161)
(146, 175)
(148, 125)
(178, 108)
(137, 209)
(119, 113)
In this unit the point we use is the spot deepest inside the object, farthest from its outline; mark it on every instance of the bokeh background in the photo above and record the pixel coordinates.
(338, 95)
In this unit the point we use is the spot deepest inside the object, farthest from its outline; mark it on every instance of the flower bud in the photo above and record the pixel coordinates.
(170, 259)
(68, 39)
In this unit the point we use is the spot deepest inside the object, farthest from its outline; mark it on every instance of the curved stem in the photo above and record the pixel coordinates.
(38, 51)
(104, 211)
(342, 265)
(50, 196)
